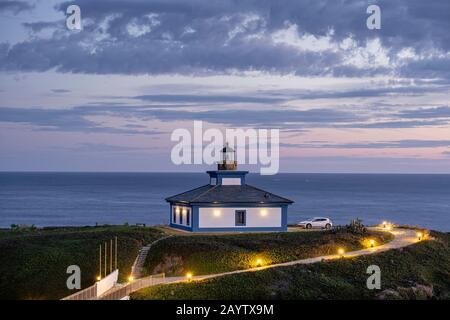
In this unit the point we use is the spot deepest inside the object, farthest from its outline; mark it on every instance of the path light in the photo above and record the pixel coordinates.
(99, 278)
(419, 235)
(189, 276)
(130, 279)
(372, 243)
(258, 263)
(341, 252)
(384, 224)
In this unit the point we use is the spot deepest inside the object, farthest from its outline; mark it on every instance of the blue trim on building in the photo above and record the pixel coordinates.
(194, 227)
(182, 227)
(220, 174)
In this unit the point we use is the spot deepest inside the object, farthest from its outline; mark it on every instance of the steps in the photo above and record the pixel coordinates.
(138, 265)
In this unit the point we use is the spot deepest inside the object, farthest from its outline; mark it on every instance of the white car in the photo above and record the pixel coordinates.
(317, 222)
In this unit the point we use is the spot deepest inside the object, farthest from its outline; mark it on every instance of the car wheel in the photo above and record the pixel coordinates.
(328, 226)
(308, 226)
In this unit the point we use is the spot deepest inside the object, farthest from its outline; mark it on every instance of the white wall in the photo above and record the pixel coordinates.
(225, 217)
(107, 282)
(231, 181)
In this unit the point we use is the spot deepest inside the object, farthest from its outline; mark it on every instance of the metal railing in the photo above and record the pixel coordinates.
(119, 292)
(85, 294)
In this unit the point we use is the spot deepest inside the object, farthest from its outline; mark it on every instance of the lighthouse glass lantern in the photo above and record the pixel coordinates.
(228, 158)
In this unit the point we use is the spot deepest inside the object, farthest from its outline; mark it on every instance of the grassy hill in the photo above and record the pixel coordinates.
(419, 271)
(206, 254)
(34, 262)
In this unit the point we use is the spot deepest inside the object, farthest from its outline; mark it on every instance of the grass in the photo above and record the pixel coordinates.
(206, 254)
(34, 262)
(418, 271)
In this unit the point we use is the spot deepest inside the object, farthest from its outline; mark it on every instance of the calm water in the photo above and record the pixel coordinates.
(48, 199)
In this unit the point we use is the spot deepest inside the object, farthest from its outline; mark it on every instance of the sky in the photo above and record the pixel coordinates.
(107, 97)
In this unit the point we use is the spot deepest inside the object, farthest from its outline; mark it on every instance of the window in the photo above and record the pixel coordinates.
(183, 212)
(174, 214)
(188, 217)
(240, 217)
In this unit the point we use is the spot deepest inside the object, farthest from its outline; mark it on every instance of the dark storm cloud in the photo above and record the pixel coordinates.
(15, 6)
(215, 36)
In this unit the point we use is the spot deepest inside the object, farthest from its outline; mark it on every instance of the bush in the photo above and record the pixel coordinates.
(34, 261)
(202, 254)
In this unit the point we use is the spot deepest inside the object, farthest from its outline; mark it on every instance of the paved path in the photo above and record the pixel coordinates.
(402, 238)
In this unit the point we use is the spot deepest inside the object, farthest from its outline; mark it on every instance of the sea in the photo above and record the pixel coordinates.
(81, 199)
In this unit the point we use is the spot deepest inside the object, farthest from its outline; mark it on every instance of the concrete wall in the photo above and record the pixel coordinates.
(231, 181)
(225, 217)
(107, 282)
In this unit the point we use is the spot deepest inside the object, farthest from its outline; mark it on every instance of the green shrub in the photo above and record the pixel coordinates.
(206, 254)
(412, 272)
(34, 262)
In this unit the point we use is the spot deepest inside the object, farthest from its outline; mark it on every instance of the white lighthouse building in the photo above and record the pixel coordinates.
(228, 203)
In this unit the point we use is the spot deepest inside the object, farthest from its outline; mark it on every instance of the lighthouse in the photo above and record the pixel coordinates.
(227, 203)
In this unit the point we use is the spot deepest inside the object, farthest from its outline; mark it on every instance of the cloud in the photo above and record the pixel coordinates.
(396, 124)
(41, 25)
(80, 118)
(167, 98)
(68, 120)
(15, 6)
(60, 90)
(374, 145)
(273, 118)
(309, 38)
(426, 113)
(103, 148)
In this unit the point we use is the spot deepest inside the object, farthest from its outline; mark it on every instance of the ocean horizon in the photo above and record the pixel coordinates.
(89, 198)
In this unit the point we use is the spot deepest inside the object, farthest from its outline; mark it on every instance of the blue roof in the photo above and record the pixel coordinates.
(228, 194)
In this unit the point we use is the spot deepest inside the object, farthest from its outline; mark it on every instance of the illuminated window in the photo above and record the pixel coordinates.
(181, 216)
